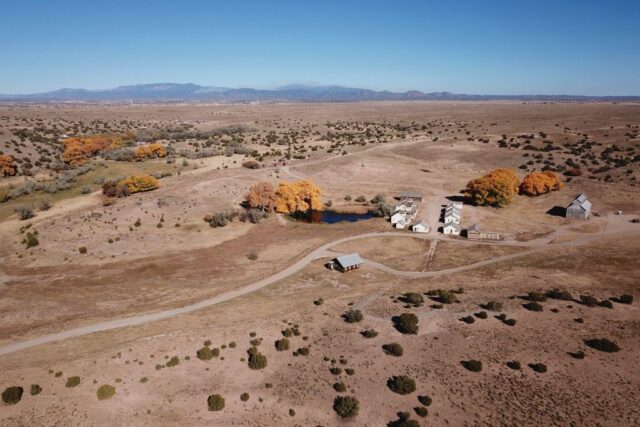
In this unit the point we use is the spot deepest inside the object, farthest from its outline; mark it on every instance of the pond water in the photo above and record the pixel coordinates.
(331, 217)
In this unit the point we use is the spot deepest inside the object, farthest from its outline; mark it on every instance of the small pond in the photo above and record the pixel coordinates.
(331, 217)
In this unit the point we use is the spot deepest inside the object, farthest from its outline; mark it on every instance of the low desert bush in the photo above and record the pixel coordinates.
(540, 368)
(625, 299)
(72, 381)
(577, 354)
(12, 395)
(393, 349)
(472, 365)
(204, 353)
(481, 315)
(256, 359)
(468, 319)
(24, 212)
(282, 345)
(602, 344)
(559, 294)
(340, 387)
(215, 402)
(514, 364)
(35, 389)
(509, 322)
(493, 306)
(346, 406)
(533, 306)
(588, 300)
(82, 249)
(406, 323)
(335, 370)
(319, 301)
(174, 361)
(421, 411)
(605, 303)
(404, 420)
(352, 316)
(401, 384)
(244, 397)
(303, 351)
(31, 240)
(536, 296)
(369, 333)
(425, 400)
(105, 391)
(349, 371)
(413, 298)
(446, 297)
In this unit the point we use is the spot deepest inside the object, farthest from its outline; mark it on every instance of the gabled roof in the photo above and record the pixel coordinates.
(452, 213)
(451, 224)
(410, 195)
(581, 201)
(581, 198)
(475, 228)
(350, 260)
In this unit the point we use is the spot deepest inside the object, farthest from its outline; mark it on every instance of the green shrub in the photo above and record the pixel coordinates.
(12, 395)
(558, 294)
(536, 296)
(481, 315)
(468, 319)
(340, 387)
(175, 360)
(509, 322)
(605, 303)
(404, 420)
(292, 413)
(215, 402)
(346, 406)
(256, 359)
(602, 344)
(493, 306)
(393, 349)
(625, 299)
(72, 382)
(577, 355)
(24, 212)
(588, 300)
(421, 411)
(82, 250)
(540, 368)
(31, 240)
(425, 400)
(204, 353)
(349, 371)
(282, 345)
(533, 306)
(303, 351)
(35, 389)
(352, 316)
(335, 370)
(472, 365)
(319, 301)
(144, 380)
(407, 323)
(514, 364)
(369, 333)
(401, 384)
(105, 391)
(446, 297)
(413, 298)
(207, 343)
(244, 397)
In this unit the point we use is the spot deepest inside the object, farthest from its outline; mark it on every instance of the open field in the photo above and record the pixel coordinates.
(144, 278)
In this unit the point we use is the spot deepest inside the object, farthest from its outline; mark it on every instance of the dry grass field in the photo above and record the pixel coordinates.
(126, 291)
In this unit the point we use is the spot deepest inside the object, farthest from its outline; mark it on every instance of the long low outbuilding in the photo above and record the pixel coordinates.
(348, 262)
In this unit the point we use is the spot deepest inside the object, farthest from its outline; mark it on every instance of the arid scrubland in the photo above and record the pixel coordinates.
(147, 212)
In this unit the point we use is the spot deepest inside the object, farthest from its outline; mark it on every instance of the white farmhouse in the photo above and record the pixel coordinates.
(397, 217)
(451, 229)
(421, 227)
(452, 217)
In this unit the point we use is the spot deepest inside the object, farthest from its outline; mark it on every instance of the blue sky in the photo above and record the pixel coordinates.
(474, 46)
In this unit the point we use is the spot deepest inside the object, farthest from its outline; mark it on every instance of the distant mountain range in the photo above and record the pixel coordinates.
(177, 92)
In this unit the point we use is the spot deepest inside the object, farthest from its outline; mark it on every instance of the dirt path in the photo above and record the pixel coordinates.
(615, 226)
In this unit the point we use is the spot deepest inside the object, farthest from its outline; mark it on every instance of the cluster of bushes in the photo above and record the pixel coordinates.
(148, 151)
(352, 316)
(223, 218)
(105, 391)
(256, 359)
(413, 298)
(301, 196)
(346, 406)
(12, 395)
(133, 184)
(393, 349)
(401, 384)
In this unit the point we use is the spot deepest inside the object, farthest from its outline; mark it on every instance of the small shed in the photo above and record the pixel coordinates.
(414, 195)
(474, 233)
(348, 262)
(580, 207)
(451, 229)
(421, 227)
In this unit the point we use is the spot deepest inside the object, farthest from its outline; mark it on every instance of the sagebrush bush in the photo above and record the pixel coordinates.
(174, 361)
(493, 306)
(244, 397)
(533, 306)
(536, 296)
(204, 353)
(352, 316)
(472, 365)
(577, 355)
(468, 319)
(425, 400)
(12, 395)
(346, 406)
(421, 411)
(369, 333)
(215, 402)
(340, 387)
(282, 345)
(35, 389)
(446, 297)
(406, 323)
(82, 249)
(481, 315)
(404, 420)
(588, 300)
(413, 298)
(105, 391)
(401, 384)
(605, 303)
(540, 368)
(256, 359)
(72, 381)
(335, 370)
(24, 212)
(514, 364)
(393, 349)
(602, 344)
(559, 294)
(625, 299)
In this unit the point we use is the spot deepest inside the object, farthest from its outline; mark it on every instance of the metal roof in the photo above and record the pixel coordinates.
(410, 195)
(581, 198)
(451, 224)
(350, 260)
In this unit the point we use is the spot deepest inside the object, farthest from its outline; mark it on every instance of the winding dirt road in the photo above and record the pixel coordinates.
(614, 226)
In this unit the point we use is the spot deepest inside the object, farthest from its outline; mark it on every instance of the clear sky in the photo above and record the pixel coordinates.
(467, 46)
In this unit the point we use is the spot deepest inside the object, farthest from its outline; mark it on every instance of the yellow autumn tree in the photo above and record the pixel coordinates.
(140, 183)
(537, 183)
(7, 167)
(150, 150)
(78, 149)
(496, 188)
(301, 196)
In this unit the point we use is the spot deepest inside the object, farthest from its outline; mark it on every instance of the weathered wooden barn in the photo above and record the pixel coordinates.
(580, 207)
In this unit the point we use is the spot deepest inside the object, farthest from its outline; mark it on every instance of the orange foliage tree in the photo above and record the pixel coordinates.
(300, 196)
(540, 183)
(78, 149)
(150, 150)
(139, 183)
(262, 196)
(496, 188)
(7, 167)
